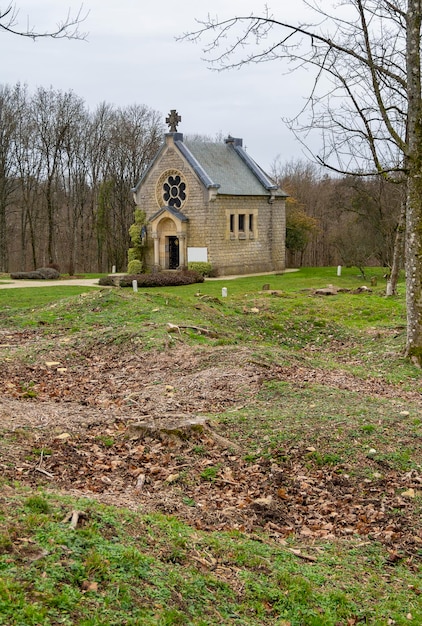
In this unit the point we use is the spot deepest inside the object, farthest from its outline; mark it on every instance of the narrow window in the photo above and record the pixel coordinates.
(251, 222)
(241, 222)
(232, 223)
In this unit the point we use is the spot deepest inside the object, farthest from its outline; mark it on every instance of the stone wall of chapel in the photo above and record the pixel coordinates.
(278, 237)
(247, 255)
(195, 207)
(209, 222)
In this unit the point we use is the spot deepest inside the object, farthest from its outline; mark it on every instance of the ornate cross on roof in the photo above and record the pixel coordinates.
(172, 120)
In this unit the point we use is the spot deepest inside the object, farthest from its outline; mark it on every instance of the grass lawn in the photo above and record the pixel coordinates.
(299, 504)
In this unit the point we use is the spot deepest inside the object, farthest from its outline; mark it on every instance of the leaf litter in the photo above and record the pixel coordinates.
(69, 423)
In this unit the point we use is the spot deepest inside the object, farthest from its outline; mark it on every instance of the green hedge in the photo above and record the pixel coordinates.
(201, 267)
(156, 279)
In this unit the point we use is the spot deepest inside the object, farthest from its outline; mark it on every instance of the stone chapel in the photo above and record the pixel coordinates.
(210, 202)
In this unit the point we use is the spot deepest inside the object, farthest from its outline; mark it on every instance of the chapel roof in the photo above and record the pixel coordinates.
(226, 166)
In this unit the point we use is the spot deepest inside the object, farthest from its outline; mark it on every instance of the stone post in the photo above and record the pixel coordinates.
(182, 249)
(156, 249)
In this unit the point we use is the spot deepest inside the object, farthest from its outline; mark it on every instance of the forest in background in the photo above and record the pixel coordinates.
(338, 220)
(66, 175)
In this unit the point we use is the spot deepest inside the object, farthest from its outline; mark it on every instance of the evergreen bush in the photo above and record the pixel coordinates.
(201, 267)
(136, 252)
(134, 266)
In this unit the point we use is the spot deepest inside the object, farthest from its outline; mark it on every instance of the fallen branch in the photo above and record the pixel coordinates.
(38, 556)
(305, 557)
(38, 468)
(226, 482)
(174, 328)
(43, 471)
(73, 517)
(226, 443)
(205, 562)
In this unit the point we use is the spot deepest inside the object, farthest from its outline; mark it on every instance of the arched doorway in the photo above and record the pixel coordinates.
(173, 253)
(168, 231)
(167, 235)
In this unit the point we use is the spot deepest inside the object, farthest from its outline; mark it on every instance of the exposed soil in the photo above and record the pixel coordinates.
(69, 423)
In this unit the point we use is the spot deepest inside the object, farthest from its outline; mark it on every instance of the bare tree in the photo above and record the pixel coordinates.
(7, 174)
(74, 188)
(66, 176)
(65, 29)
(366, 97)
(135, 136)
(28, 179)
(55, 115)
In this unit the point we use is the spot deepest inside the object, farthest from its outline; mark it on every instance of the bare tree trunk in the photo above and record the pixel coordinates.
(413, 239)
(391, 288)
(414, 267)
(4, 256)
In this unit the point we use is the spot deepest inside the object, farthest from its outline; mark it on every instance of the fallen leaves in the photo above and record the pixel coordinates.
(166, 475)
(85, 414)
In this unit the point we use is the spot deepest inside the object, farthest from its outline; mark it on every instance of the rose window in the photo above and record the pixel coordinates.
(174, 191)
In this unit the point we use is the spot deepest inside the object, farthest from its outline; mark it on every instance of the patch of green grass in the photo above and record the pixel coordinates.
(368, 428)
(121, 567)
(198, 449)
(329, 425)
(210, 473)
(293, 320)
(37, 504)
(106, 440)
(402, 459)
(329, 458)
(28, 390)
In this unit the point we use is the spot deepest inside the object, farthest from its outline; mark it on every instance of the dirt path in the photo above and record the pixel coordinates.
(93, 282)
(78, 282)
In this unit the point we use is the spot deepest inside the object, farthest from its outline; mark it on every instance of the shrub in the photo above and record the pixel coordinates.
(157, 279)
(108, 281)
(26, 275)
(131, 254)
(49, 273)
(134, 266)
(201, 267)
(136, 252)
(44, 273)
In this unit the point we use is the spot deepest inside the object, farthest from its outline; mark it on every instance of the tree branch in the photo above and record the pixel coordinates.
(367, 77)
(66, 29)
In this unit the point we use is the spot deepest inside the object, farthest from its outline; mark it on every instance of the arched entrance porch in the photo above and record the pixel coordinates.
(169, 236)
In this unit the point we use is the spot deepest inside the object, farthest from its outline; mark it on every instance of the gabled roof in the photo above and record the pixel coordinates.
(172, 211)
(225, 167)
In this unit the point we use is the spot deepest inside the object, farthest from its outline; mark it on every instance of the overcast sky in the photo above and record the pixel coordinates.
(131, 56)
